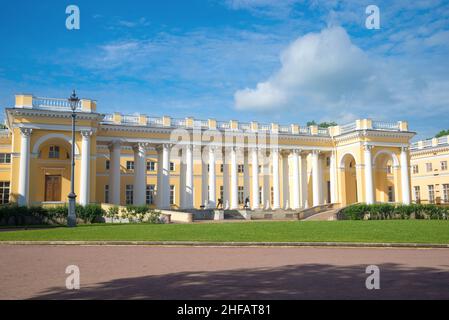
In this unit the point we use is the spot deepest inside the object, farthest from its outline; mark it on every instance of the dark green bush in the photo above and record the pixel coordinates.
(12, 214)
(384, 211)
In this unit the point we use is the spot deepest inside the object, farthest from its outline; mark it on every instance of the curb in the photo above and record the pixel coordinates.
(227, 244)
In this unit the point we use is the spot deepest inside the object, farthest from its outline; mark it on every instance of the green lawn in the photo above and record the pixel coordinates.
(399, 231)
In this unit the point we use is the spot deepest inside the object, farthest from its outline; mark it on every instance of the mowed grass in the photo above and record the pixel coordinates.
(397, 231)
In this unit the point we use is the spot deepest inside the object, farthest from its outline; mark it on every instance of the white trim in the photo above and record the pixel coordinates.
(392, 154)
(49, 136)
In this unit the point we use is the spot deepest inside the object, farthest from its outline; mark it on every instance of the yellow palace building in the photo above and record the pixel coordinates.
(190, 163)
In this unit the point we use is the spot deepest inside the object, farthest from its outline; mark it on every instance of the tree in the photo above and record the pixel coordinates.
(322, 124)
(442, 133)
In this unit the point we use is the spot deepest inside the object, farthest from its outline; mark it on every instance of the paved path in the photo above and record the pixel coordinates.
(140, 272)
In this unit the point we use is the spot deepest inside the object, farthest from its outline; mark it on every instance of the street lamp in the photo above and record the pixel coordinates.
(71, 218)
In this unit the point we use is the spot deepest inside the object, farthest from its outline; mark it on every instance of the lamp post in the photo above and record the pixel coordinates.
(71, 218)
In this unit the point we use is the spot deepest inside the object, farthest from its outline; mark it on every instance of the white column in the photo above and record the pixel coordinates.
(204, 182)
(159, 186)
(166, 176)
(85, 168)
(333, 177)
(368, 175)
(188, 197)
(140, 174)
(246, 182)
(295, 179)
(226, 198)
(304, 182)
(114, 177)
(212, 179)
(276, 193)
(285, 181)
(316, 178)
(255, 177)
(405, 178)
(234, 180)
(24, 173)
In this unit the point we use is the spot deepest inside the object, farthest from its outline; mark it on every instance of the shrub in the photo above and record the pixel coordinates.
(113, 212)
(390, 211)
(90, 213)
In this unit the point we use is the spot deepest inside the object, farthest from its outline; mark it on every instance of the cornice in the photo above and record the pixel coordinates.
(429, 151)
(53, 114)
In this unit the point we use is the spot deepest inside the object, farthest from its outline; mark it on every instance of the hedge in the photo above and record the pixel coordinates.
(15, 215)
(387, 211)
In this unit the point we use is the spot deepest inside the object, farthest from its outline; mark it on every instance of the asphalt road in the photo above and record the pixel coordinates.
(139, 272)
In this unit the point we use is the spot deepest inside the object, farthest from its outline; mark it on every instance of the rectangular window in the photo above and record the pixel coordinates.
(5, 158)
(328, 161)
(221, 193)
(446, 193)
(106, 193)
(4, 192)
(241, 195)
(389, 170)
(129, 194)
(172, 166)
(151, 166)
(431, 190)
(54, 152)
(417, 190)
(221, 168)
(429, 167)
(241, 168)
(260, 195)
(172, 194)
(443, 165)
(129, 165)
(415, 169)
(272, 196)
(108, 164)
(149, 195)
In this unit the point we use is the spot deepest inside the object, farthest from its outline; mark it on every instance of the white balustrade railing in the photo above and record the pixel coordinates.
(348, 127)
(304, 130)
(130, 119)
(244, 126)
(223, 125)
(384, 125)
(201, 124)
(427, 143)
(157, 122)
(285, 129)
(323, 131)
(442, 140)
(53, 104)
(180, 123)
(264, 127)
(108, 118)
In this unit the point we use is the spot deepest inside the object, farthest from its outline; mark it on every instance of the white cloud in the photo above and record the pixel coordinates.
(325, 71)
(319, 66)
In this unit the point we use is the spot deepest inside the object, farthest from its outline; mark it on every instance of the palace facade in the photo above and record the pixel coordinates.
(190, 163)
(429, 170)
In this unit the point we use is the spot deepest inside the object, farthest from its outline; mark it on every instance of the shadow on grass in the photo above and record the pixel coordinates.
(312, 281)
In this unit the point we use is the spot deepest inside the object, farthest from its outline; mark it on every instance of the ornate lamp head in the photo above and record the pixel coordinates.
(73, 101)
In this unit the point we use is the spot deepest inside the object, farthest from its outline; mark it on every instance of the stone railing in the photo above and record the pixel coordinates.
(430, 143)
(26, 101)
(384, 125)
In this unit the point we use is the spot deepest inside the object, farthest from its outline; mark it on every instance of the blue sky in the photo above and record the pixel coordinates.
(287, 61)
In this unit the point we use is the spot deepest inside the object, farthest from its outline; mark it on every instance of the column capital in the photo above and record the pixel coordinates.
(316, 152)
(367, 147)
(114, 144)
(297, 152)
(162, 146)
(86, 133)
(26, 132)
(405, 149)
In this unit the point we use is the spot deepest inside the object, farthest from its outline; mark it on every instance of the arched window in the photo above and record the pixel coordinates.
(53, 152)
